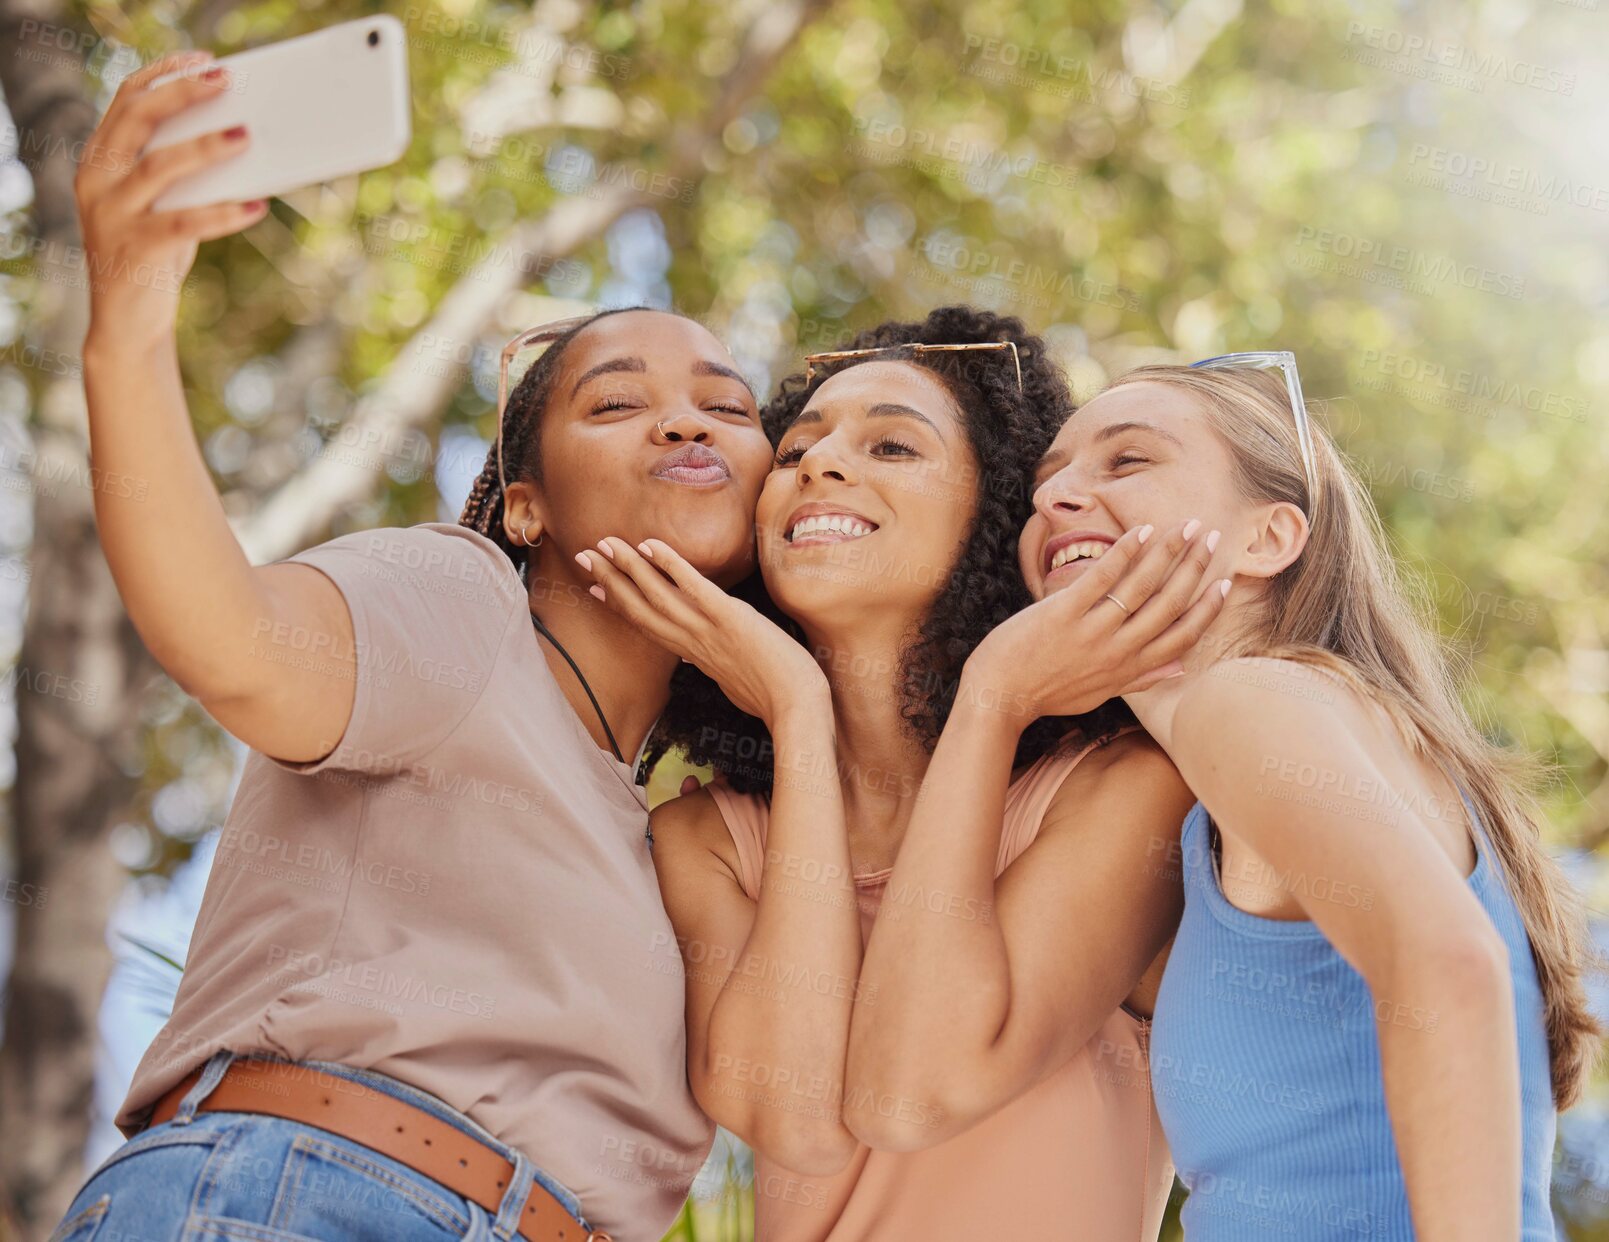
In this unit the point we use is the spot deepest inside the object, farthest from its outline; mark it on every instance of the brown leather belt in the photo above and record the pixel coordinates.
(392, 1127)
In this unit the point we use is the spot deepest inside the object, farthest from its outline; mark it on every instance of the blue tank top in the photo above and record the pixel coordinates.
(1265, 1062)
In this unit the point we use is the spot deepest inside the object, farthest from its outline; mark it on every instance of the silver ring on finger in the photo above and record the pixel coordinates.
(1127, 611)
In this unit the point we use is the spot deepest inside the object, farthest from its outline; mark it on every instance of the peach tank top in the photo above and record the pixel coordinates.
(1079, 1157)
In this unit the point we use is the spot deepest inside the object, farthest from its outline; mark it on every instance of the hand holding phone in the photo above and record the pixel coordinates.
(316, 107)
(187, 152)
(136, 260)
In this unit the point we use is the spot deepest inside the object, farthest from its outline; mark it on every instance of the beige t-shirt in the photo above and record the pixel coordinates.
(460, 895)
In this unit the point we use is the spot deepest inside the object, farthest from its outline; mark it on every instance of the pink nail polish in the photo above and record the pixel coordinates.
(1212, 542)
(1191, 527)
(603, 546)
(1144, 532)
(645, 549)
(595, 589)
(1224, 588)
(583, 560)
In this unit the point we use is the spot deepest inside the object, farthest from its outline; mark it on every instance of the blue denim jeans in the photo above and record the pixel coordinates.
(247, 1177)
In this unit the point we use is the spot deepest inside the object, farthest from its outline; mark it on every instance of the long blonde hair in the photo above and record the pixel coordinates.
(1344, 605)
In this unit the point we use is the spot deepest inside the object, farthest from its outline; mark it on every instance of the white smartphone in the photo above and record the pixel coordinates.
(316, 107)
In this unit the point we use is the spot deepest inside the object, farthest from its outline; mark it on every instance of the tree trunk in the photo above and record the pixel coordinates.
(79, 676)
(82, 668)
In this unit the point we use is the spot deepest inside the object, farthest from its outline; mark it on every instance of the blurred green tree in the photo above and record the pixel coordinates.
(1414, 202)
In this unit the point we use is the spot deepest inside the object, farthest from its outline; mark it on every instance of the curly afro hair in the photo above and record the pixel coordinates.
(1009, 430)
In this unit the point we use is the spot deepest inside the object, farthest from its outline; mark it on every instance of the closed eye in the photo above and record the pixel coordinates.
(616, 402)
(790, 455)
(1128, 459)
(728, 406)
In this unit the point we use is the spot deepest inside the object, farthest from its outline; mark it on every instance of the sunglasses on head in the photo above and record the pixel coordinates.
(813, 361)
(548, 332)
(1283, 361)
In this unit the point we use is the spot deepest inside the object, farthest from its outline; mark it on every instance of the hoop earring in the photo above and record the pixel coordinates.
(525, 534)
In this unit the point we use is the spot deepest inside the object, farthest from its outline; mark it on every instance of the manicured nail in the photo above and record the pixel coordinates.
(1144, 532)
(584, 561)
(1223, 588)
(213, 74)
(603, 546)
(595, 589)
(1191, 527)
(645, 549)
(235, 132)
(256, 204)
(1212, 542)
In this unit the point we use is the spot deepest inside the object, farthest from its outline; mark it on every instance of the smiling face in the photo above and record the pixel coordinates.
(606, 470)
(1139, 454)
(872, 496)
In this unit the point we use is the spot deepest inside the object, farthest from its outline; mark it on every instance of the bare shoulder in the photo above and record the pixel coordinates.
(1130, 771)
(1130, 757)
(691, 831)
(1256, 693)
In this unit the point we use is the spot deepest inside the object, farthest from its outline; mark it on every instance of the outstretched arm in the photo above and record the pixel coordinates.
(210, 619)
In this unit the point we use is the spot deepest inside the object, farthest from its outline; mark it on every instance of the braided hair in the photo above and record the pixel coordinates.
(522, 441)
(1009, 431)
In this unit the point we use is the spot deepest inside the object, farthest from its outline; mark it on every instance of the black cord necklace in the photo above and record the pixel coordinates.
(576, 669)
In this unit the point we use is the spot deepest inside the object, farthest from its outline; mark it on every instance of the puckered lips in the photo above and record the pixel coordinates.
(821, 522)
(692, 465)
(1073, 549)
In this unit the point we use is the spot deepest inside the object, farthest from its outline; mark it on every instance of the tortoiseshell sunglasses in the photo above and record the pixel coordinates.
(838, 355)
(532, 336)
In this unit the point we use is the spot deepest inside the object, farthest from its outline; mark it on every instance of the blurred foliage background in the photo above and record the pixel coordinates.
(1413, 198)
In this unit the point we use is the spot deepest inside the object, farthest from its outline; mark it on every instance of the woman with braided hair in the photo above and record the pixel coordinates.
(917, 784)
(432, 991)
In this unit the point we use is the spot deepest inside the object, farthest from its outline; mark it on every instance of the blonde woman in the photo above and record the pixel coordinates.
(1374, 1003)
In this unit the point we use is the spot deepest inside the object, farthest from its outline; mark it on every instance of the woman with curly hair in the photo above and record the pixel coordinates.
(909, 712)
